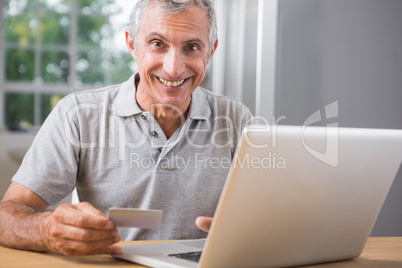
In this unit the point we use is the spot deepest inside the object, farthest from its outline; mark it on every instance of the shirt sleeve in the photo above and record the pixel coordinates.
(50, 166)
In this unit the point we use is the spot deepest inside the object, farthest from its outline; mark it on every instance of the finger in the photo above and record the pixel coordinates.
(82, 234)
(91, 247)
(92, 235)
(204, 223)
(101, 220)
(76, 216)
(88, 208)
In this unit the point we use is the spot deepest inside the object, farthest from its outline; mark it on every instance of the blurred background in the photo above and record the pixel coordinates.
(282, 58)
(53, 47)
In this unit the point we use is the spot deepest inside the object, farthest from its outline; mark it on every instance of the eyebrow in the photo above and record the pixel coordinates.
(197, 40)
(155, 33)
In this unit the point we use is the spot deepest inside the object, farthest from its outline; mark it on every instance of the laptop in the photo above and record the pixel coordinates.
(294, 196)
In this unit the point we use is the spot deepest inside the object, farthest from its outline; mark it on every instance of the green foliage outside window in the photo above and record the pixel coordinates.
(48, 101)
(89, 67)
(90, 30)
(55, 66)
(54, 28)
(20, 26)
(20, 64)
(20, 110)
(38, 51)
(118, 67)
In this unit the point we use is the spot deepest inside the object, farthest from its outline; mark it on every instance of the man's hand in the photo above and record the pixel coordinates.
(204, 223)
(80, 230)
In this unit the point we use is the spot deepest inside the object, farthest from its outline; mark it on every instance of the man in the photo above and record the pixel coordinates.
(156, 141)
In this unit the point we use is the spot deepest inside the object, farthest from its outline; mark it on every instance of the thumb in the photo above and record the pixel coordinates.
(98, 216)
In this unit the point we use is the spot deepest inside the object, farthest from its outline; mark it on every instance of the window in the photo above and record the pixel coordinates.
(50, 48)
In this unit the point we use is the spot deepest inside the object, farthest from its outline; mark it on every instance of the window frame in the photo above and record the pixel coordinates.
(36, 86)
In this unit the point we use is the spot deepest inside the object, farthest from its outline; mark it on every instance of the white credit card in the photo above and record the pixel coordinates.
(138, 218)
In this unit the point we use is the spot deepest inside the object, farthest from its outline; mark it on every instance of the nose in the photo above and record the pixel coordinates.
(174, 63)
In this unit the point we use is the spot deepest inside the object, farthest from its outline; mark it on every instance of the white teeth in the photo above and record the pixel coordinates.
(170, 83)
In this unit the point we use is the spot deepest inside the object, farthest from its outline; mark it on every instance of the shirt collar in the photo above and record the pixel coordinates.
(199, 107)
(125, 102)
(127, 105)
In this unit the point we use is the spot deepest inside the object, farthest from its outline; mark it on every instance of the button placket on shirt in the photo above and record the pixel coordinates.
(157, 141)
(157, 137)
(159, 146)
(169, 154)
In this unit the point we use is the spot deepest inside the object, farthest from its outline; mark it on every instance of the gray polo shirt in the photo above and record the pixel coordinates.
(117, 155)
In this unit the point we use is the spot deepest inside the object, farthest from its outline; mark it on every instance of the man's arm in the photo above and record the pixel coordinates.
(70, 230)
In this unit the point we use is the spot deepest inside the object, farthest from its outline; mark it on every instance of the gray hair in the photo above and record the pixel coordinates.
(173, 7)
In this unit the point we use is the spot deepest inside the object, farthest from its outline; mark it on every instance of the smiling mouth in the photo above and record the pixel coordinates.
(171, 83)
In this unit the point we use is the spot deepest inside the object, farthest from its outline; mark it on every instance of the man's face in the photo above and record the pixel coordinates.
(173, 52)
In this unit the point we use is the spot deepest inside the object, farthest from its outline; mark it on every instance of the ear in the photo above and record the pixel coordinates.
(213, 49)
(130, 44)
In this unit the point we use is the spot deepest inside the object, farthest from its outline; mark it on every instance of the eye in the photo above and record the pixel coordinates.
(157, 44)
(192, 47)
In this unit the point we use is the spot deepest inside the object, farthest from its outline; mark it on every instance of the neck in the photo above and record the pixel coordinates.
(169, 118)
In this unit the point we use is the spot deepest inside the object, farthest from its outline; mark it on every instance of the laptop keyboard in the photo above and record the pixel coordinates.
(191, 256)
